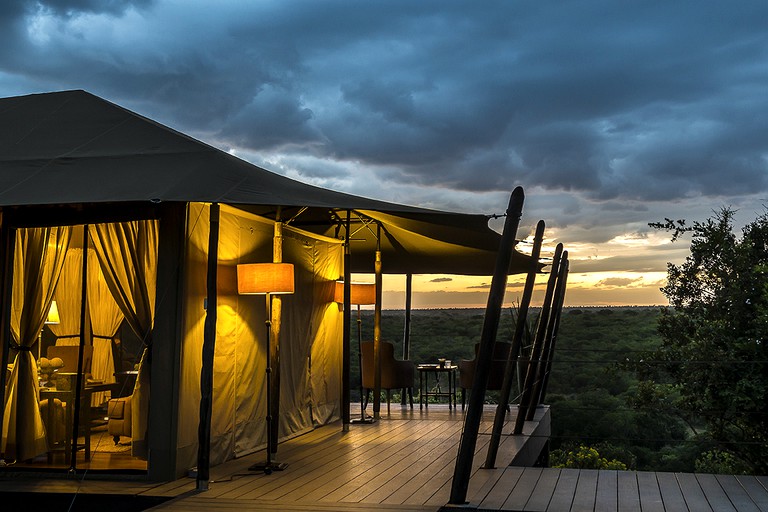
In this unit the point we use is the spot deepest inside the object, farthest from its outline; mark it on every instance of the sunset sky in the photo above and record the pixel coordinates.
(611, 115)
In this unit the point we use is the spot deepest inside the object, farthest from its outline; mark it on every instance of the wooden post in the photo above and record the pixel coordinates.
(531, 373)
(346, 334)
(8, 241)
(517, 340)
(79, 383)
(546, 359)
(407, 326)
(468, 441)
(209, 350)
(377, 331)
(274, 348)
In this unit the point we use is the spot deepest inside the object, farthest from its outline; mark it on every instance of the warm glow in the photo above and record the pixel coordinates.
(360, 293)
(262, 278)
(53, 314)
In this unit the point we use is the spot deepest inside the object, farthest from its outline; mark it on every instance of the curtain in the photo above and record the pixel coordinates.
(127, 254)
(68, 298)
(37, 266)
(106, 318)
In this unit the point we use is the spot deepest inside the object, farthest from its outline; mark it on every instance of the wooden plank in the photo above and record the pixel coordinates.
(650, 494)
(628, 492)
(586, 491)
(441, 452)
(399, 470)
(443, 480)
(545, 488)
(607, 496)
(694, 496)
(671, 494)
(757, 491)
(714, 493)
(523, 490)
(389, 466)
(322, 476)
(308, 473)
(502, 490)
(562, 497)
(737, 494)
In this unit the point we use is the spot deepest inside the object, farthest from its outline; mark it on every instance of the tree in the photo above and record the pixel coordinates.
(712, 355)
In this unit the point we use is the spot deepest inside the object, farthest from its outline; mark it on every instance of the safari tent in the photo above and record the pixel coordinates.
(135, 231)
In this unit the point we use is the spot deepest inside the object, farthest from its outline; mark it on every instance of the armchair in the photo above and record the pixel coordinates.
(496, 375)
(395, 374)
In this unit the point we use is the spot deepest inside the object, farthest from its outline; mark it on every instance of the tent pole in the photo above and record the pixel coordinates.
(209, 349)
(407, 326)
(549, 347)
(468, 442)
(538, 342)
(274, 350)
(81, 347)
(377, 331)
(517, 341)
(346, 334)
(8, 239)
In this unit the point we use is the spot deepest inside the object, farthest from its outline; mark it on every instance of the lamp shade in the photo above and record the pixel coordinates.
(262, 278)
(360, 293)
(53, 314)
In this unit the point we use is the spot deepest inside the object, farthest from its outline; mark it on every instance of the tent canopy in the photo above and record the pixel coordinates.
(55, 147)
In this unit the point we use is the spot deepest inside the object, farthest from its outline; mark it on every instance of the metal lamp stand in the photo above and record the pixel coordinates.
(269, 465)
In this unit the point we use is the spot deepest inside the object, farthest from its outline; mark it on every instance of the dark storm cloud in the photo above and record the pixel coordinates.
(74, 7)
(645, 101)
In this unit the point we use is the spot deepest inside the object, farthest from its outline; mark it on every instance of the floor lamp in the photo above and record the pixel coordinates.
(360, 293)
(266, 279)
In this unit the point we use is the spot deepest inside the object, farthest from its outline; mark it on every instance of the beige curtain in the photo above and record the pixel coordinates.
(127, 254)
(68, 298)
(39, 258)
(106, 318)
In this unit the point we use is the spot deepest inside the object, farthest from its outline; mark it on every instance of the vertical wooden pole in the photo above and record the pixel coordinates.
(407, 326)
(522, 317)
(274, 348)
(549, 350)
(541, 329)
(81, 347)
(346, 334)
(468, 441)
(377, 331)
(8, 241)
(209, 350)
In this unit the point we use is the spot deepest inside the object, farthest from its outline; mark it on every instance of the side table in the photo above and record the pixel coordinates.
(425, 370)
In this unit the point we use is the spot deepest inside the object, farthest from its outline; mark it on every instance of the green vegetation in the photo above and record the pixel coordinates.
(598, 397)
(712, 362)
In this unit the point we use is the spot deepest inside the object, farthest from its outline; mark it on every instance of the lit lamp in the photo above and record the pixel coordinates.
(52, 319)
(360, 293)
(266, 279)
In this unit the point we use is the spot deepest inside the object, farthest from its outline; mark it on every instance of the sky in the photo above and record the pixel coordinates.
(610, 114)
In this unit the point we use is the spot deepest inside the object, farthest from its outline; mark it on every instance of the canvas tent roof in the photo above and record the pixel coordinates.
(73, 147)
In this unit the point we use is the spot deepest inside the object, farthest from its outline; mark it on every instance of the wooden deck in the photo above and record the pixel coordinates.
(574, 490)
(405, 462)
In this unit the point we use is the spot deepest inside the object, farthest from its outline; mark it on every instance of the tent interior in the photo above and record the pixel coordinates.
(119, 295)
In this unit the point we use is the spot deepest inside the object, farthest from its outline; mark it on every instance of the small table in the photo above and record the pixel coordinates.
(68, 397)
(424, 390)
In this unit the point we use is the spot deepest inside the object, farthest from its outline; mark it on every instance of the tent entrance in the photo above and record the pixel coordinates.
(76, 394)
